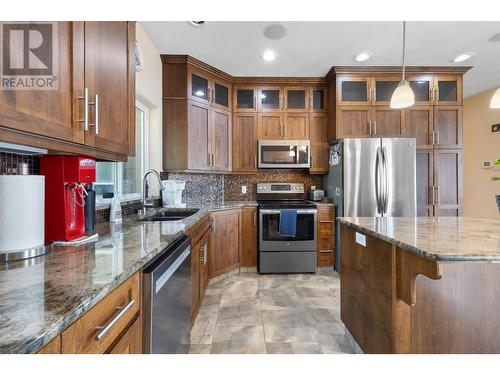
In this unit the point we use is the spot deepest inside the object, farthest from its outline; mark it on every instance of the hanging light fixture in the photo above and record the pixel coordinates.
(403, 96)
(495, 100)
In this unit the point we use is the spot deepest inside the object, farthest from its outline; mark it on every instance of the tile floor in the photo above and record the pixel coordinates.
(275, 314)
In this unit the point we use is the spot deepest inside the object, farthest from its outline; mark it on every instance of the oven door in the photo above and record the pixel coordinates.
(284, 154)
(269, 234)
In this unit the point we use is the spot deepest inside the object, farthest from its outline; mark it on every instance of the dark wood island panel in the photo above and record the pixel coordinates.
(397, 301)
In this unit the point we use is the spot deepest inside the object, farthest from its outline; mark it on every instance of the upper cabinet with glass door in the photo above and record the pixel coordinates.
(318, 99)
(447, 90)
(245, 98)
(270, 99)
(296, 99)
(221, 95)
(199, 86)
(353, 90)
(382, 89)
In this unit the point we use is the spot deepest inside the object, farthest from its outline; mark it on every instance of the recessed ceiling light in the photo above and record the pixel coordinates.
(269, 55)
(462, 57)
(197, 23)
(363, 56)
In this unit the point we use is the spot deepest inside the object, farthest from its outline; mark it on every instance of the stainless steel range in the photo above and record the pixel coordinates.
(279, 253)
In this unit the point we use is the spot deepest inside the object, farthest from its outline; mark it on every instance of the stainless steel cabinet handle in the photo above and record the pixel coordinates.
(95, 103)
(326, 251)
(255, 219)
(213, 159)
(255, 160)
(374, 127)
(436, 94)
(437, 194)
(85, 119)
(286, 129)
(105, 329)
(213, 95)
(370, 127)
(437, 137)
(299, 211)
(209, 159)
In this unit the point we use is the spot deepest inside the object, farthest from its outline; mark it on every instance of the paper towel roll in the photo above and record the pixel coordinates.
(22, 202)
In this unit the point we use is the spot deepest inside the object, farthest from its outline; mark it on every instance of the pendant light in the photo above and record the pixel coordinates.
(403, 95)
(495, 100)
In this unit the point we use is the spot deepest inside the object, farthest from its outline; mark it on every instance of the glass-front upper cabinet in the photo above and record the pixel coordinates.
(297, 99)
(447, 90)
(353, 90)
(245, 99)
(221, 93)
(318, 99)
(382, 89)
(421, 85)
(199, 87)
(270, 99)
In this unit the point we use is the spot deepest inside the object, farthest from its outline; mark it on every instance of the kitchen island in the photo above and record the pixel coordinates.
(421, 285)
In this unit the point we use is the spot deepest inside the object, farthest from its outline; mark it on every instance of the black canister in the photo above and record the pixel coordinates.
(90, 210)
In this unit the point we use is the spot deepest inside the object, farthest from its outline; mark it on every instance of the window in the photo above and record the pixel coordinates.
(125, 179)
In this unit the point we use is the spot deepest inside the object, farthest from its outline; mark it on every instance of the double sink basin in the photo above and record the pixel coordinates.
(170, 215)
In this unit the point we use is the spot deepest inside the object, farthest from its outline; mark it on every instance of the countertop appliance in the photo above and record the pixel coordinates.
(167, 300)
(65, 179)
(284, 254)
(316, 195)
(284, 154)
(172, 194)
(371, 177)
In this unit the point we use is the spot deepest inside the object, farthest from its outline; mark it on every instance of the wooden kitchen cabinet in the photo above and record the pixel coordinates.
(245, 98)
(249, 237)
(318, 134)
(448, 127)
(296, 99)
(224, 252)
(448, 182)
(197, 116)
(270, 126)
(97, 56)
(353, 122)
(319, 99)
(270, 99)
(419, 124)
(52, 347)
(425, 181)
(386, 122)
(382, 88)
(244, 142)
(83, 337)
(447, 90)
(325, 235)
(296, 125)
(131, 341)
(353, 90)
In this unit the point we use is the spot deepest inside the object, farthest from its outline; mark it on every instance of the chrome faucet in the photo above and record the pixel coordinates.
(145, 203)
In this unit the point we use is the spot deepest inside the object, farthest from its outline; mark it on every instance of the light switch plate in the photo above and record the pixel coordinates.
(243, 189)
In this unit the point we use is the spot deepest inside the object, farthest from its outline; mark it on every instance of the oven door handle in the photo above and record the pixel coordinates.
(299, 211)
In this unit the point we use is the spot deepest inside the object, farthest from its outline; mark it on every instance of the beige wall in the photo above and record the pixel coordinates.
(148, 92)
(480, 144)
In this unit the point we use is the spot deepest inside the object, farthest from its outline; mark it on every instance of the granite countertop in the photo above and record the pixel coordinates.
(39, 301)
(437, 238)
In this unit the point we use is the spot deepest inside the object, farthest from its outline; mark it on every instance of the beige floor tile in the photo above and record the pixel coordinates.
(279, 299)
(238, 340)
(241, 289)
(333, 343)
(199, 349)
(240, 312)
(293, 348)
(203, 328)
(288, 326)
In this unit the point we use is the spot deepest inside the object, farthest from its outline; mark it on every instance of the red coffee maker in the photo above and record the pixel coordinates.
(65, 176)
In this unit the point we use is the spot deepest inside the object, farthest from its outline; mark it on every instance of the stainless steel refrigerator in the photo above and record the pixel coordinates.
(371, 177)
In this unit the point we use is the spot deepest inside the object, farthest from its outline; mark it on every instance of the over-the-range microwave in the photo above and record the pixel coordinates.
(284, 154)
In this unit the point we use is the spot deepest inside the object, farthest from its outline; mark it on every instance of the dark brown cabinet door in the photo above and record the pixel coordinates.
(204, 251)
(245, 99)
(221, 140)
(319, 99)
(249, 237)
(225, 242)
(352, 91)
(199, 86)
(245, 142)
(447, 90)
(106, 77)
(270, 126)
(270, 99)
(386, 122)
(296, 126)
(131, 341)
(424, 173)
(419, 125)
(296, 99)
(422, 87)
(52, 113)
(199, 151)
(353, 122)
(383, 88)
(448, 182)
(195, 279)
(448, 127)
(318, 131)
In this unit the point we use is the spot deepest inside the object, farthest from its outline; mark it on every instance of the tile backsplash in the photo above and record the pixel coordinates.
(201, 189)
(9, 161)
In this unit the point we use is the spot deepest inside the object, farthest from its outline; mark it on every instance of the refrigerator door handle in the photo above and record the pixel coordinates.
(385, 189)
(378, 161)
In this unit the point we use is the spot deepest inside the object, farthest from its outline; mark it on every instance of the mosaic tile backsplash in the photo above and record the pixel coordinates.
(9, 161)
(201, 189)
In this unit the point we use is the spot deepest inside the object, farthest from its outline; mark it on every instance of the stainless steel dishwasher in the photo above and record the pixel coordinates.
(167, 300)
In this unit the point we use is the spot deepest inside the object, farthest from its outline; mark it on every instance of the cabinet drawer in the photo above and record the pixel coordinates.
(98, 328)
(325, 257)
(325, 229)
(131, 341)
(326, 214)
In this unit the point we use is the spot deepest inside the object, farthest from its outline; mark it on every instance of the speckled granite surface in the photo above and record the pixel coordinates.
(38, 302)
(438, 238)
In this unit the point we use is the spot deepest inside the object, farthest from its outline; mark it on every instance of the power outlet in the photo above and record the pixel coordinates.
(243, 189)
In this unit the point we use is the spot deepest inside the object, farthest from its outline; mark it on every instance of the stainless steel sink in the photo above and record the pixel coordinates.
(170, 215)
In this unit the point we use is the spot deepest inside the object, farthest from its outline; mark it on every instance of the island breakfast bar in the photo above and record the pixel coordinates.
(421, 285)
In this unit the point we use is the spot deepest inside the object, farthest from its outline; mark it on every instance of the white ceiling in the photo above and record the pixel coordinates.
(312, 48)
